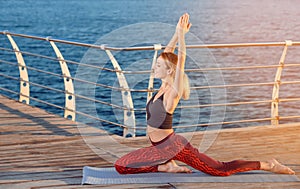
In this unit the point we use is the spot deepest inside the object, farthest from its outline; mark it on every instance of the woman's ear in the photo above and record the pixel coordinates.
(169, 71)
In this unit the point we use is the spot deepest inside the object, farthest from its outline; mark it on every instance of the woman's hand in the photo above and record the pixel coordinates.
(183, 25)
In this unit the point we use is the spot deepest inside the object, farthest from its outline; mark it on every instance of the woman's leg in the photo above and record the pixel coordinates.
(148, 159)
(140, 161)
(160, 158)
(191, 156)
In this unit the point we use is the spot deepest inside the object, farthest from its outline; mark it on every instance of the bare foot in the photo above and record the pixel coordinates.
(172, 167)
(277, 167)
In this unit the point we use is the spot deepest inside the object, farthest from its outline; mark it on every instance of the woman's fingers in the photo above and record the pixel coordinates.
(183, 22)
(189, 26)
(187, 17)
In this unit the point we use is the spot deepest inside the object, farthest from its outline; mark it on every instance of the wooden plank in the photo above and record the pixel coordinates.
(41, 183)
(25, 176)
(123, 186)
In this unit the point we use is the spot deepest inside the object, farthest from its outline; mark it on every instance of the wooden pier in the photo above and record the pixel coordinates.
(42, 150)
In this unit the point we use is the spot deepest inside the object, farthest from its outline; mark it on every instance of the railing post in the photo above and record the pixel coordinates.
(129, 116)
(24, 81)
(275, 95)
(157, 47)
(68, 82)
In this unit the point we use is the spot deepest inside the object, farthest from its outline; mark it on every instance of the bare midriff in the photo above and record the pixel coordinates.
(156, 134)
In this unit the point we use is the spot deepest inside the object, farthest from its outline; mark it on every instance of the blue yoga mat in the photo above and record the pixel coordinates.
(93, 175)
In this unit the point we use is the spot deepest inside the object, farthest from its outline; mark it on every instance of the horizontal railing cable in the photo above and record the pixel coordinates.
(216, 123)
(62, 108)
(288, 117)
(289, 99)
(239, 68)
(145, 71)
(32, 68)
(229, 68)
(35, 99)
(58, 59)
(232, 85)
(138, 72)
(61, 76)
(226, 122)
(289, 82)
(144, 90)
(9, 91)
(187, 126)
(65, 92)
(124, 108)
(77, 63)
(133, 90)
(227, 104)
(143, 128)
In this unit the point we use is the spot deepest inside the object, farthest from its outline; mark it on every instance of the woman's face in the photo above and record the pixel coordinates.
(160, 68)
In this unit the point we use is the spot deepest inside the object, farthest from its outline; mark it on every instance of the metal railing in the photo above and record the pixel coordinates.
(129, 112)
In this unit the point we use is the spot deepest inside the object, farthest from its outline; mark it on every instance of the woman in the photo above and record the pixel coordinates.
(166, 145)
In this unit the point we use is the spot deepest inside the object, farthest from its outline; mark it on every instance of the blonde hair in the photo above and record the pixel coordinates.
(171, 60)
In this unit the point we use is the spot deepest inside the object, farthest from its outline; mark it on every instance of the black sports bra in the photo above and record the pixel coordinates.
(157, 116)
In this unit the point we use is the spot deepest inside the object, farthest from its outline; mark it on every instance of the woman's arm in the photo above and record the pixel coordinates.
(183, 27)
(172, 43)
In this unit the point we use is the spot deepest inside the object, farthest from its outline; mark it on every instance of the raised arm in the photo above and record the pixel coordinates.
(172, 43)
(183, 27)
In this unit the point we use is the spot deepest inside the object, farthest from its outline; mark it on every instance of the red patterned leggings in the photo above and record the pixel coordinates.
(176, 147)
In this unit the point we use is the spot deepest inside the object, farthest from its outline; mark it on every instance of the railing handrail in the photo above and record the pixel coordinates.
(105, 47)
(128, 106)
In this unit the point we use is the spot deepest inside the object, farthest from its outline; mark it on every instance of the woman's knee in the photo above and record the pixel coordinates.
(120, 167)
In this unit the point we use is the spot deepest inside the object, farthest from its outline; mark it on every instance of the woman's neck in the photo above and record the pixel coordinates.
(164, 86)
(166, 83)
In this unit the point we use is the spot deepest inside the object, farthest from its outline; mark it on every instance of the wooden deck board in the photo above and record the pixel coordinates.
(42, 150)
